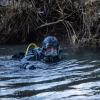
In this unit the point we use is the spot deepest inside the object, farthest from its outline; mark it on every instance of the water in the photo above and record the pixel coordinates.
(76, 77)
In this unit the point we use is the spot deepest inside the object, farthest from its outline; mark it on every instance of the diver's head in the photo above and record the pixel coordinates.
(50, 46)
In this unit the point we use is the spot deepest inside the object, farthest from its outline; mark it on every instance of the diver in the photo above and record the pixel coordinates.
(49, 52)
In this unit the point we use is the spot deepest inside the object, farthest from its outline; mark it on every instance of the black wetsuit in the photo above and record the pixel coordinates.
(40, 54)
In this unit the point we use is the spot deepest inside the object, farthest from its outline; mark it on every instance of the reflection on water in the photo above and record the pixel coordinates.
(77, 77)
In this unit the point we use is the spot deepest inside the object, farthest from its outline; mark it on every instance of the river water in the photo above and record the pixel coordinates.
(76, 77)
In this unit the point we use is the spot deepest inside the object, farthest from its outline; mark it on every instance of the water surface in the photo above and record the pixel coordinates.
(76, 77)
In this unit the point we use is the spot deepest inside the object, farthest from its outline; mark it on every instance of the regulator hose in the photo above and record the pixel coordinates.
(31, 45)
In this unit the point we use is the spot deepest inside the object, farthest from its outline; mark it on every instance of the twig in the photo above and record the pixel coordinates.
(51, 23)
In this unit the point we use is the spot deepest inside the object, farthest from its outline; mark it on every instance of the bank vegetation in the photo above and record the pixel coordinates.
(74, 22)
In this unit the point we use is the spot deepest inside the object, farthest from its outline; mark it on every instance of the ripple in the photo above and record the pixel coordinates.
(75, 78)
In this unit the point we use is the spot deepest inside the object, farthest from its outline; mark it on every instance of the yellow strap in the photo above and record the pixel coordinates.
(31, 45)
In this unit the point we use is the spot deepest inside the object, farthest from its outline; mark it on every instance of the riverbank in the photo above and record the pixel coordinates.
(74, 23)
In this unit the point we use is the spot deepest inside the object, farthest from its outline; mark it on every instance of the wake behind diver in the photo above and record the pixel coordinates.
(49, 53)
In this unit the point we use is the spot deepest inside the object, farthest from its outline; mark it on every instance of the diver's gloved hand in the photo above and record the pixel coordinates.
(31, 66)
(28, 58)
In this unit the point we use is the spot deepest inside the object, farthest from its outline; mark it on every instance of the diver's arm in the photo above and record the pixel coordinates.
(18, 56)
(33, 54)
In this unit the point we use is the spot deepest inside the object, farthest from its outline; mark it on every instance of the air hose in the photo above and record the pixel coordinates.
(31, 45)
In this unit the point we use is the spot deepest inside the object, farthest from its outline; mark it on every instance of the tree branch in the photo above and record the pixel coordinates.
(48, 24)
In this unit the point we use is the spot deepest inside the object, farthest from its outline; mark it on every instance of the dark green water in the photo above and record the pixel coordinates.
(77, 77)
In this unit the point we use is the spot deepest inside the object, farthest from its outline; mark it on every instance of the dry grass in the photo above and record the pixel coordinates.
(23, 17)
